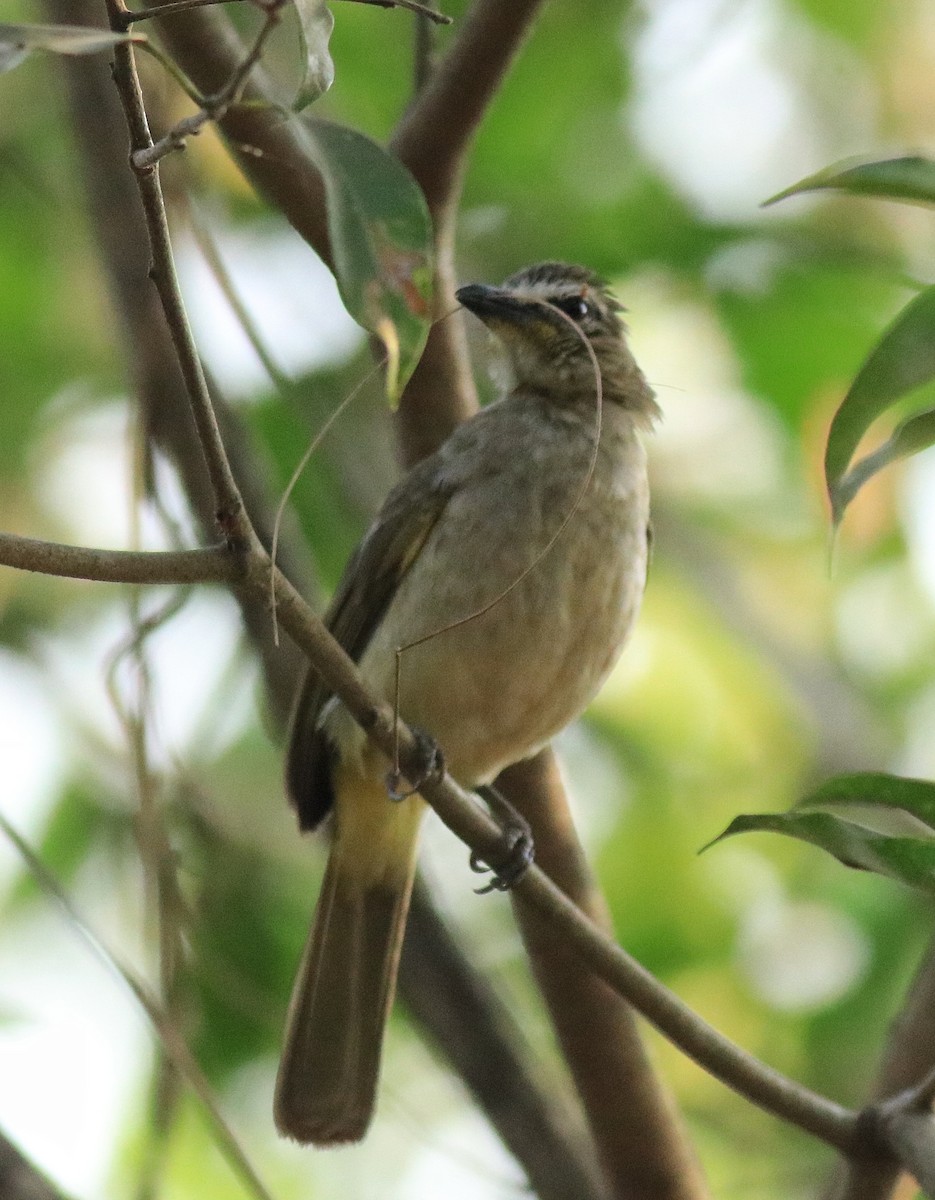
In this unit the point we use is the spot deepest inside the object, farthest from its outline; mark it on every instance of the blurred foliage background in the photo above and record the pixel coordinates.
(639, 139)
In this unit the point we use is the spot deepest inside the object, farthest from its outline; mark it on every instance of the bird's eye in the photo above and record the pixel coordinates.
(575, 307)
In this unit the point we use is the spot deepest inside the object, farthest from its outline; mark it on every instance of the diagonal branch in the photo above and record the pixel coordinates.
(461, 1012)
(435, 135)
(230, 512)
(645, 1154)
(463, 815)
(20, 1180)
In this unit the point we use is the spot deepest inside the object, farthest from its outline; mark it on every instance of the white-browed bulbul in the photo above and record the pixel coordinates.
(460, 528)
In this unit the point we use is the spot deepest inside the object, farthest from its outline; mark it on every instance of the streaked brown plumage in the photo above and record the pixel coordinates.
(453, 534)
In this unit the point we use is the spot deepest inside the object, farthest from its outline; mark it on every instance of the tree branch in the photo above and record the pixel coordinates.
(231, 515)
(424, 10)
(435, 134)
(217, 564)
(449, 1002)
(908, 1057)
(20, 1180)
(646, 1154)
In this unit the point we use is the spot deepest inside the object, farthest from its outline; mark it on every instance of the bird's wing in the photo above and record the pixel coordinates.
(388, 550)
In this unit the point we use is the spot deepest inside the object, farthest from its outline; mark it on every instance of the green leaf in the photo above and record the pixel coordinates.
(880, 823)
(316, 22)
(918, 433)
(911, 178)
(381, 238)
(903, 360)
(910, 860)
(872, 789)
(17, 41)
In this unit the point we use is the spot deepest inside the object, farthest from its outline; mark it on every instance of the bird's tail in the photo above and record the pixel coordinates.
(342, 996)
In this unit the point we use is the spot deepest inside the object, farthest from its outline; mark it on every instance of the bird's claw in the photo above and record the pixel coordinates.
(516, 853)
(428, 763)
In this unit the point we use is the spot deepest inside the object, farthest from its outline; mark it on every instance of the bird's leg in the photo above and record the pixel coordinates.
(428, 763)
(516, 851)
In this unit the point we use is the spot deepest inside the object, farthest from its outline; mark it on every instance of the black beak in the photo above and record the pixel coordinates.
(494, 304)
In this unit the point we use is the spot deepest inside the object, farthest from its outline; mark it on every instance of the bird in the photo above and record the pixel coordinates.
(516, 556)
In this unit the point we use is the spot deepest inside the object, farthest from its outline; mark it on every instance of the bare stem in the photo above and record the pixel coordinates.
(20, 1180)
(423, 63)
(217, 564)
(213, 107)
(170, 1037)
(231, 515)
(173, 6)
(424, 10)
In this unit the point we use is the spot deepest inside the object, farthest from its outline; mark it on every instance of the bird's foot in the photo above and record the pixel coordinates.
(428, 763)
(516, 850)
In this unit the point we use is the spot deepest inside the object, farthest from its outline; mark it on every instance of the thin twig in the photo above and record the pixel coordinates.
(22, 1180)
(424, 10)
(423, 58)
(214, 107)
(174, 6)
(231, 515)
(215, 262)
(296, 476)
(165, 1027)
(217, 564)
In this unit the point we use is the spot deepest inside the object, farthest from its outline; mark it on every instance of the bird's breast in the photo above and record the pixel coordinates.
(517, 620)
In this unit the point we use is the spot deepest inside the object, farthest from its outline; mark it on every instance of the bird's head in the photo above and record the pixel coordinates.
(545, 348)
